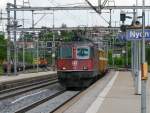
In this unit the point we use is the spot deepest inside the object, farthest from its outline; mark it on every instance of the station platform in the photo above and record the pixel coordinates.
(19, 77)
(114, 93)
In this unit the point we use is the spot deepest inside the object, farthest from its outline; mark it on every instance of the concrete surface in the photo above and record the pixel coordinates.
(81, 103)
(119, 99)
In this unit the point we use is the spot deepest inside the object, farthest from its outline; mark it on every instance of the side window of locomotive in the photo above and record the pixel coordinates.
(83, 52)
(66, 52)
(92, 52)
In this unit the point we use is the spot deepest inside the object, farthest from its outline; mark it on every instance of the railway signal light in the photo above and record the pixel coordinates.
(122, 17)
(123, 28)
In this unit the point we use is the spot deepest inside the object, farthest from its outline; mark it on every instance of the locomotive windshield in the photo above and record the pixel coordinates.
(65, 52)
(83, 52)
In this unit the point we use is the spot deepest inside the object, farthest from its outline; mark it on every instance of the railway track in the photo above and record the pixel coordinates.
(28, 109)
(7, 85)
(26, 88)
(33, 105)
(64, 102)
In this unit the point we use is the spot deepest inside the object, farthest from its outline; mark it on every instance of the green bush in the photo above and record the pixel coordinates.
(118, 61)
(148, 56)
(3, 48)
(1, 70)
(28, 57)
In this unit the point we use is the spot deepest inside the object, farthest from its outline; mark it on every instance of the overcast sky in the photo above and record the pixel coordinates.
(71, 18)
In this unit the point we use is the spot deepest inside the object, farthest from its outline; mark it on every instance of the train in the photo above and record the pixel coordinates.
(42, 63)
(80, 63)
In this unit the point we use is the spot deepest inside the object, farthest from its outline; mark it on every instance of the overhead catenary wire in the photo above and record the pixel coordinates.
(58, 5)
(40, 19)
(98, 12)
(73, 4)
(70, 14)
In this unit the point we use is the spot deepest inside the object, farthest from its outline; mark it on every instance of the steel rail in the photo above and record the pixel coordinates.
(26, 85)
(33, 105)
(70, 99)
(8, 85)
(27, 89)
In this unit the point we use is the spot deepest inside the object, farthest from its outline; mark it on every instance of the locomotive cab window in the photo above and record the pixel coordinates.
(83, 52)
(65, 52)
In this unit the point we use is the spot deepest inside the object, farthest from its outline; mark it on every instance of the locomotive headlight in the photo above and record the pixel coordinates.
(85, 68)
(74, 63)
(64, 68)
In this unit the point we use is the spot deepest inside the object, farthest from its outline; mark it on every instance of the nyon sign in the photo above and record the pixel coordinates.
(136, 34)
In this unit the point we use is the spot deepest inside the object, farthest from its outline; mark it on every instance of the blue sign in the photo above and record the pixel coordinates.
(122, 36)
(136, 34)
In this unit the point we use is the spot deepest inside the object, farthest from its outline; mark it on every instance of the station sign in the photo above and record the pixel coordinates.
(122, 36)
(136, 34)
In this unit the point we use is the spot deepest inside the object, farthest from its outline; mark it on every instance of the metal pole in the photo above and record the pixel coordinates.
(136, 66)
(139, 58)
(110, 18)
(23, 52)
(113, 58)
(139, 67)
(144, 82)
(23, 43)
(126, 53)
(37, 48)
(37, 54)
(99, 2)
(8, 41)
(107, 52)
(53, 44)
(37, 42)
(32, 19)
(136, 59)
(148, 18)
(15, 47)
(132, 62)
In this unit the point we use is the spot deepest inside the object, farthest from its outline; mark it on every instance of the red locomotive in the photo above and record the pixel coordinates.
(78, 63)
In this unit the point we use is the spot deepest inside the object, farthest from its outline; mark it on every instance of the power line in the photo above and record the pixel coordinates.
(73, 17)
(97, 11)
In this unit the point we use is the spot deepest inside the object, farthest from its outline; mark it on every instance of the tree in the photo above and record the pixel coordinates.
(28, 57)
(45, 36)
(67, 35)
(26, 36)
(3, 48)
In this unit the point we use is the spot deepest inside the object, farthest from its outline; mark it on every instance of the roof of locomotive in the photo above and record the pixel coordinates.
(78, 44)
(82, 41)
